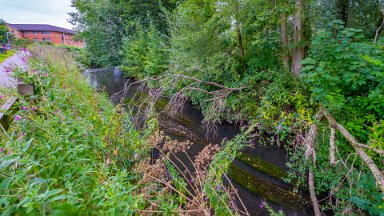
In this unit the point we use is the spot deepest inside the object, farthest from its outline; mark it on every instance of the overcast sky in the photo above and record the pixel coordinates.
(54, 12)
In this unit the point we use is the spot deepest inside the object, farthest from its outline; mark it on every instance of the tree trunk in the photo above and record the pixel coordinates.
(298, 37)
(380, 27)
(284, 39)
(343, 10)
(240, 40)
(312, 192)
(239, 36)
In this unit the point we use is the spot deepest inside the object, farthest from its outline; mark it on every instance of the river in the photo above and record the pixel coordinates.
(256, 173)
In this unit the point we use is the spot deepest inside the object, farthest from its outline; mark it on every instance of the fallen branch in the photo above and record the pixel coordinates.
(359, 149)
(378, 151)
(177, 101)
(206, 82)
(311, 184)
(332, 146)
(310, 140)
(310, 152)
(175, 77)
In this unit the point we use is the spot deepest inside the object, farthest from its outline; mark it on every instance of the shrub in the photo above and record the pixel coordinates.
(144, 53)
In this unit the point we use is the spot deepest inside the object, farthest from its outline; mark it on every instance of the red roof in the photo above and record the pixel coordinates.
(40, 27)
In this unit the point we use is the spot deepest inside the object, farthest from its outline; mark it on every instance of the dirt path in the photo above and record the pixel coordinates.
(6, 79)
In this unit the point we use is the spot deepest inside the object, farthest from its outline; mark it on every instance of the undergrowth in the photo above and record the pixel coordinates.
(69, 151)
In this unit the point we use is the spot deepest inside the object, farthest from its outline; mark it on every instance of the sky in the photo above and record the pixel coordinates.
(53, 12)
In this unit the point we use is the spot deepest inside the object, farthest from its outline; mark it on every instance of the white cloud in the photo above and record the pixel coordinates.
(54, 12)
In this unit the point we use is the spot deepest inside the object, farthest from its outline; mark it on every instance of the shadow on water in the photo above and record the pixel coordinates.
(256, 173)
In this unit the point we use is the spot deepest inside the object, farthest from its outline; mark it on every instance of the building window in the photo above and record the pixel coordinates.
(49, 39)
(44, 39)
(46, 33)
(26, 33)
(36, 40)
(35, 32)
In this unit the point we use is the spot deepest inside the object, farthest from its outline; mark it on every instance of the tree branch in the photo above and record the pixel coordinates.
(310, 151)
(311, 184)
(378, 151)
(310, 140)
(359, 149)
(332, 145)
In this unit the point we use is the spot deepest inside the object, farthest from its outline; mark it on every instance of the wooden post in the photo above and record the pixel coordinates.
(6, 112)
(24, 89)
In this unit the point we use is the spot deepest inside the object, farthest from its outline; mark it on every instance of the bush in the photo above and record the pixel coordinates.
(21, 43)
(79, 54)
(344, 72)
(144, 53)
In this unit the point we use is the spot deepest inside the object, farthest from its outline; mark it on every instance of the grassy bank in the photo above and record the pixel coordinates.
(66, 153)
(6, 55)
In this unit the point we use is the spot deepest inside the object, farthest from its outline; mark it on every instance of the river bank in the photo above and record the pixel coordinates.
(76, 153)
(260, 169)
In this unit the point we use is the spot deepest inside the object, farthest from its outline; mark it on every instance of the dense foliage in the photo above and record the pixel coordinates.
(345, 74)
(104, 23)
(3, 32)
(267, 63)
(144, 53)
(71, 152)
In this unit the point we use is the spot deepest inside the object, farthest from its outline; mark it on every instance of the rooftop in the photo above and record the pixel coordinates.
(40, 27)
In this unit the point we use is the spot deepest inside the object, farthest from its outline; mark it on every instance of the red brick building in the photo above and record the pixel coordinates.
(42, 32)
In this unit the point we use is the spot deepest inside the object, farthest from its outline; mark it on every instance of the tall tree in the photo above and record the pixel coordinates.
(343, 10)
(104, 23)
(284, 35)
(298, 37)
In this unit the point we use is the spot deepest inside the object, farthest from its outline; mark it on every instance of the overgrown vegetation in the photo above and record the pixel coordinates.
(104, 24)
(71, 152)
(274, 64)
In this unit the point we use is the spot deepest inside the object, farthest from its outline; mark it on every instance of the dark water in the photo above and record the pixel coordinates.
(111, 81)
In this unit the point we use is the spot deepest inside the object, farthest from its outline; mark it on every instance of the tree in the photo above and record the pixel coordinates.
(343, 10)
(104, 23)
(298, 37)
(3, 31)
(284, 35)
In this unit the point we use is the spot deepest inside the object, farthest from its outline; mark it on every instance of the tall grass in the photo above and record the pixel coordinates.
(71, 151)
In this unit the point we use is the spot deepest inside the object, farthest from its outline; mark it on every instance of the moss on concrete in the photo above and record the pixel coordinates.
(265, 188)
(265, 167)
